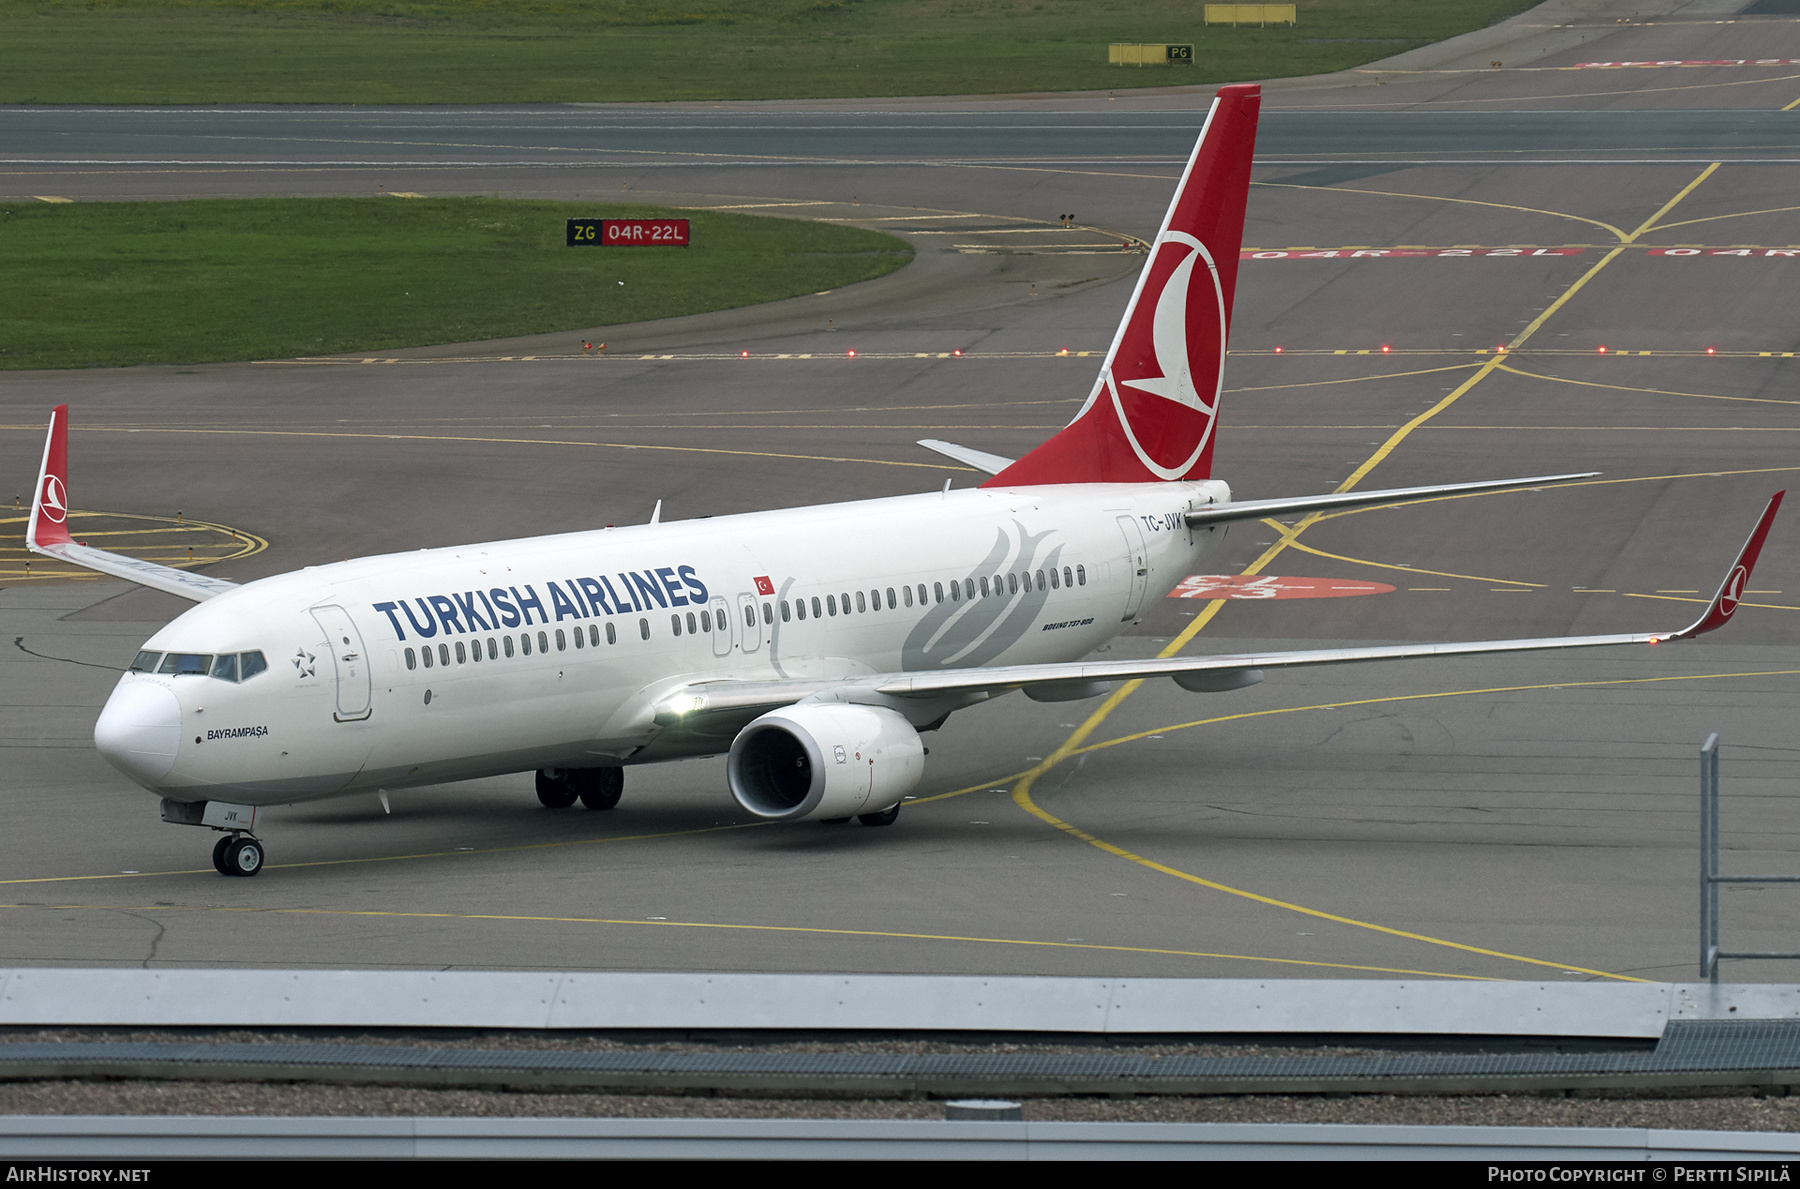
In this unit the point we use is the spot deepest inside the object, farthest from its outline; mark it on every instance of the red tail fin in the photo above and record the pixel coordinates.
(50, 503)
(1152, 412)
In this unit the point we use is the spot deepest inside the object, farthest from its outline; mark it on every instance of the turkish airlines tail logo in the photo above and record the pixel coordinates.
(1154, 408)
(50, 503)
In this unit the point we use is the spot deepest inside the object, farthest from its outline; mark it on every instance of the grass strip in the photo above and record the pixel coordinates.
(97, 284)
(529, 51)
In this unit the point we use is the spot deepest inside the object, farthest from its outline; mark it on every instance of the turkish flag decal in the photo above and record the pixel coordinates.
(763, 585)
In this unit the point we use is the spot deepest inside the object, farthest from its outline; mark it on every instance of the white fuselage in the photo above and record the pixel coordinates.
(341, 709)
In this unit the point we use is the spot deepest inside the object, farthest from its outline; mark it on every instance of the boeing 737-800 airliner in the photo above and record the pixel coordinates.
(577, 655)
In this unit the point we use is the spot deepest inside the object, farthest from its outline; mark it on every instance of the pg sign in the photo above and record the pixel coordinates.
(628, 233)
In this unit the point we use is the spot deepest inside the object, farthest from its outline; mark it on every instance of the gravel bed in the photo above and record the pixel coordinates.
(1719, 1112)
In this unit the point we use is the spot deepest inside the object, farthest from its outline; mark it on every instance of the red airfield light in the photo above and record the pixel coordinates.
(1603, 350)
(853, 354)
(1385, 348)
(745, 355)
(1278, 350)
(958, 351)
(1709, 350)
(1064, 351)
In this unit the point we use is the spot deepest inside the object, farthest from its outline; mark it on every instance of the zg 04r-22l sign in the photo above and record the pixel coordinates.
(628, 233)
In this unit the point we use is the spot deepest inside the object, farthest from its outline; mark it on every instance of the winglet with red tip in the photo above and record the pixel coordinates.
(50, 502)
(48, 531)
(1731, 591)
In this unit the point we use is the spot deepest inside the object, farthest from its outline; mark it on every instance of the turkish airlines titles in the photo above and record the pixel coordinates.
(572, 598)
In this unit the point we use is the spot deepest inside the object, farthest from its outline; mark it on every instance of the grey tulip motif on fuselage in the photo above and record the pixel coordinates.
(973, 631)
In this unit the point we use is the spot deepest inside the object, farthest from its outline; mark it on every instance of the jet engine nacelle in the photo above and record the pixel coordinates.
(824, 760)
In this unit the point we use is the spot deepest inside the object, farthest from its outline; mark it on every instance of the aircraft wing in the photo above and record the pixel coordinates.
(1200, 673)
(1258, 509)
(47, 533)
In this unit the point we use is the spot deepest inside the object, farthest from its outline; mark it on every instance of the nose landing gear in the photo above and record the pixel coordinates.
(238, 854)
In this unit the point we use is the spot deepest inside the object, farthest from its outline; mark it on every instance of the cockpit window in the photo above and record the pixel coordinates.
(145, 662)
(186, 664)
(226, 667)
(250, 664)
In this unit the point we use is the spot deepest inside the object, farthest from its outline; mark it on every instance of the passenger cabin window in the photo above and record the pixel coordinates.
(507, 642)
(815, 606)
(894, 603)
(475, 650)
(1068, 578)
(594, 633)
(937, 589)
(1040, 577)
(644, 628)
(786, 611)
(1012, 584)
(749, 615)
(444, 655)
(145, 662)
(1081, 575)
(543, 642)
(675, 623)
(412, 662)
(845, 597)
(907, 591)
(831, 604)
(425, 655)
(861, 603)
(580, 637)
(922, 594)
(462, 657)
(525, 643)
(494, 650)
(611, 636)
(955, 591)
(1054, 584)
(768, 613)
(984, 586)
(562, 641)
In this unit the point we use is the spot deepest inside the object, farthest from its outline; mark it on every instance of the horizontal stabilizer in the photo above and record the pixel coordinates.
(1344, 501)
(981, 460)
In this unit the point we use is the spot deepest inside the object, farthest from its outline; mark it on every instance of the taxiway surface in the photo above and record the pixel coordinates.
(1529, 817)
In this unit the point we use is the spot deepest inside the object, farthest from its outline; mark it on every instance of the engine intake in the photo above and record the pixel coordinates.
(824, 759)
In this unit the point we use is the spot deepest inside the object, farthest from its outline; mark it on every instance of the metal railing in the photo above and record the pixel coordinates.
(1710, 879)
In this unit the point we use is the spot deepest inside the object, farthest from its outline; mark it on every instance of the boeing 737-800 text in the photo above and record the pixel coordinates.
(578, 655)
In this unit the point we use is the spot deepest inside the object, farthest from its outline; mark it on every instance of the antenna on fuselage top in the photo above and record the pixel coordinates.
(656, 513)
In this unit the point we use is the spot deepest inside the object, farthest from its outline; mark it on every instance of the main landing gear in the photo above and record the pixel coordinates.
(886, 817)
(238, 854)
(596, 788)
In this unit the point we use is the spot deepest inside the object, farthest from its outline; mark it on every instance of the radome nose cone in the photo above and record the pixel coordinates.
(140, 730)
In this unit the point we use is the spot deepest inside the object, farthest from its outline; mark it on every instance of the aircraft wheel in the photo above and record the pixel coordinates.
(600, 788)
(219, 854)
(243, 856)
(555, 789)
(884, 818)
